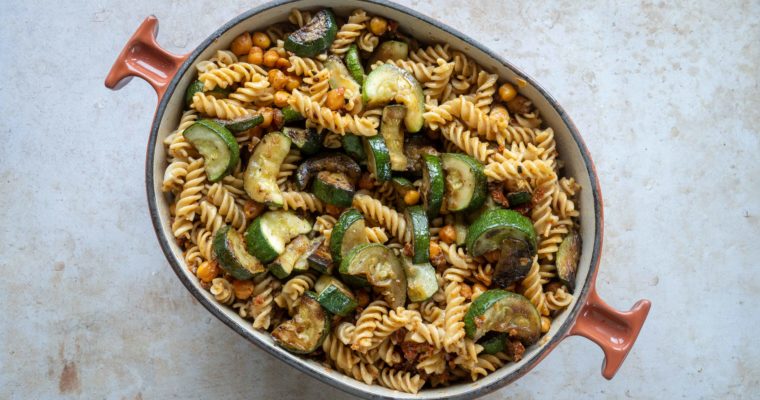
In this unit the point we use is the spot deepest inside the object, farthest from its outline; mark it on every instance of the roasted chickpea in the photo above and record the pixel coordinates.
(435, 249)
(447, 234)
(268, 115)
(261, 39)
(282, 63)
(207, 271)
(362, 298)
(412, 197)
(293, 83)
(336, 99)
(281, 98)
(256, 55)
(242, 44)
(243, 289)
(277, 79)
(546, 324)
(507, 92)
(270, 58)
(378, 25)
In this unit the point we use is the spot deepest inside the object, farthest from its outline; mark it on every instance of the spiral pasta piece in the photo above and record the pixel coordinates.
(385, 216)
(434, 363)
(226, 76)
(211, 217)
(367, 324)
(531, 288)
(293, 289)
(174, 176)
(400, 380)
(435, 88)
(213, 107)
(298, 17)
(256, 91)
(319, 85)
(304, 66)
(332, 120)
(349, 32)
(301, 201)
(233, 214)
(368, 41)
(431, 54)
(558, 300)
(376, 234)
(203, 239)
(467, 142)
(345, 332)
(222, 291)
(485, 91)
(549, 245)
(487, 363)
(179, 148)
(186, 204)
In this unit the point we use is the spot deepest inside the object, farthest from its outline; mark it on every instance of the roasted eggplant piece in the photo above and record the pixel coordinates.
(335, 162)
(514, 262)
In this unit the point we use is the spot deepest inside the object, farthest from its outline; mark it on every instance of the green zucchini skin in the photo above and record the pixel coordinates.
(354, 64)
(433, 184)
(222, 155)
(333, 188)
(346, 219)
(312, 319)
(420, 229)
(195, 87)
(289, 114)
(518, 316)
(463, 174)
(352, 145)
(378, 157)
(314, 37)
(229, 249)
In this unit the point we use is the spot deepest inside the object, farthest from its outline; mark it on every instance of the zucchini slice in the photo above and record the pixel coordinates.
(353, 63)
(217, 145)
(260, 179)
(501, 311)
(390, 83)
(333, 188)
(493, 342)
(494, 226)
(376, 264)
(378, 158)
(416, 146)
(421, 283)
(352, 145)
(268, 234)
(393, 133)
(432, 184)
(314, 37)
(340, 77)
(465, 183)
(417, 225)
(285, 262)
(229, 250)
(390, 50)
(307, 140)
(333, 162)
(320, 259)
(307, 330)
(334, 296)
(241, 123)
(195, 87)
(289, 114)
(347, 233)
(568, 255)
(518, 198)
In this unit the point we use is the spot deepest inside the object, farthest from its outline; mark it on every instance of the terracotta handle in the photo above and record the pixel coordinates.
(612, 330)
(144, 58)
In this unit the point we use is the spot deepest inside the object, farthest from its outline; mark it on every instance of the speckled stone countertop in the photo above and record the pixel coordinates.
(665, 95)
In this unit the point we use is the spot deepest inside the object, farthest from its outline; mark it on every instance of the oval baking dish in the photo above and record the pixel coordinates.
(588, 316)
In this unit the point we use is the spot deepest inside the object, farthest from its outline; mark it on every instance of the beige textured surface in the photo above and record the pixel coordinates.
(666, 96)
